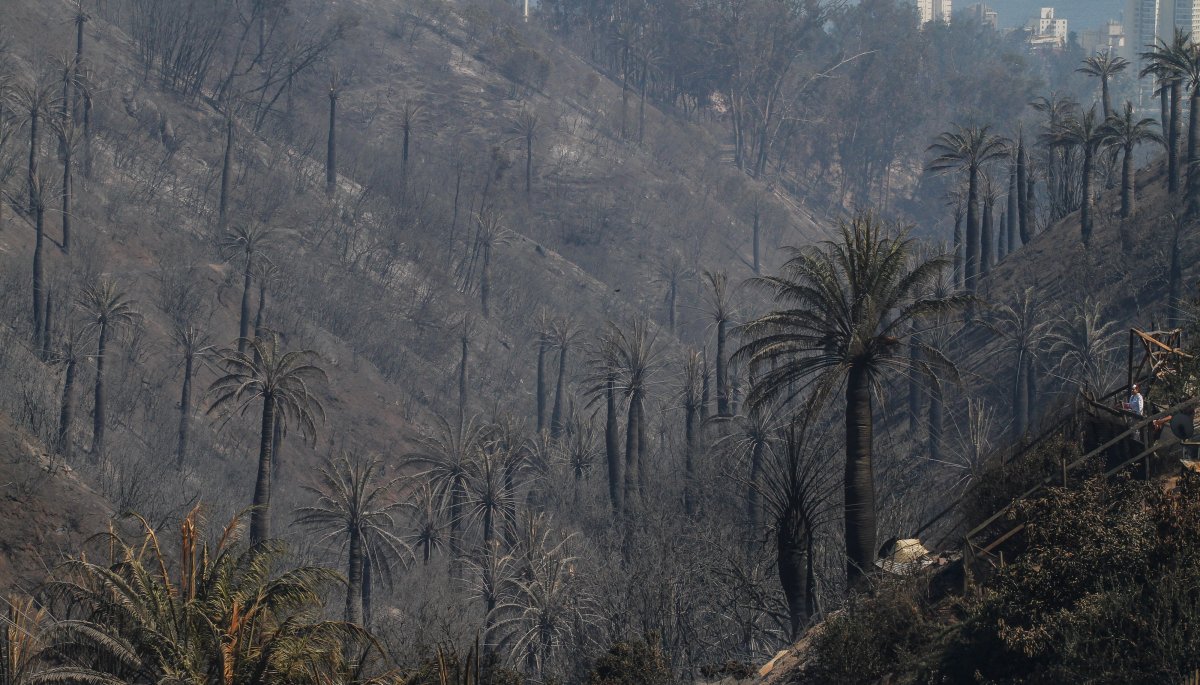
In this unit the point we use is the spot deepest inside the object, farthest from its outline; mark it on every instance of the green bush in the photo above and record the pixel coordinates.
(631, 662)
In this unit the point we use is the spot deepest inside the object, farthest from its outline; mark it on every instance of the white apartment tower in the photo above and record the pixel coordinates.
(933, 10)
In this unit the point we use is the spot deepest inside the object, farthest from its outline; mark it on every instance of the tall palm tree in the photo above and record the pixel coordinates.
(845, 306)
(281, 380)
(719, 307)
(1123, 133)
(1162, 62)
(194, 345)
(632, 357)
(1184, 59)
(70, 355)
(108, 309)
(565, 332)
(1058, 165)
(1104, 65)
(693, 370)
(426, 516)
(671, 272)
(1083, 132)
(544, 325)
(355, 508)
(247, 244)
(969, 150)
(1022, 327)
(448, 456)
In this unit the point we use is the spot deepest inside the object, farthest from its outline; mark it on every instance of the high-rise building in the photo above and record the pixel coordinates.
(1149, 21)
(983, 14)
(933, 10)
(1051, 26)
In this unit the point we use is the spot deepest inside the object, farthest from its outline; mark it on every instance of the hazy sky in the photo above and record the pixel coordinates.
(1080, 14)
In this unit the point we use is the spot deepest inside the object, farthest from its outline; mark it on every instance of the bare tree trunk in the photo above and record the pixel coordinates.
(98, 418)
(560, 391)
(612, 445)
(331, 148)
(541, 383)
(354, 577)
(260, 518)
(859, 480)
(185, 407)
(244, 320)
(67, 408)
(722, 381)
(1173, 136)
(632, 458)
(39, 211)
(66, 197)
(226, 172)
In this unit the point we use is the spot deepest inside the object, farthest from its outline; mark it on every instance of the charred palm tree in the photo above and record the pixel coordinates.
(108, 310)
(448, 456)
(246, 244)
(194, 345)
(564, 334)
(845, 307)
(281, 381)
(1162, 62)
(718, 305)
(671, 272)
(1105, 66)
(1123, 134)
(1084, 133)
(426, 517)
(1022, 327)
(355, 509)
(969, 150)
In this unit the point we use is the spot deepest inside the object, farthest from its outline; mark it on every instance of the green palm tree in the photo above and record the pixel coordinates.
(281, 380)
(969, 150)
(247, 244)
(355, 509)
(1083, 132)
(1105, 66)
(108, 309)
(845, 306)
(1161, 62)
(1123, 133)
(207, 612)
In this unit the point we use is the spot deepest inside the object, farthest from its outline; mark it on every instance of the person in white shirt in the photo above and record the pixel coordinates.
(1136, 402)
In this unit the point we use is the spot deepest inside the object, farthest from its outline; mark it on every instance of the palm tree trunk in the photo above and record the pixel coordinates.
(1164, 104)
(1012, 219)
(757, 226)
(528, 164)
(67, 408)
(914, 382)
(935, 420)
(612, 447)
(642, 101)
(244, 321)
(331, 148)
(87, 133)
(1020, 396)
(643, 471)
(959, 281)
(752, 506)
(48, 324)
(185, 408)
(354, 577)
(66, 198)
(722, 389)
(1173, 136)
(671, 294)
(485, 280)
(226, 172)
(1105, 99)
(1024, 218)
(541, 383)
(98, 410)
(1193, 170)
(39, 212)
(1175, 280)
(462, 381)
(34, 117)
(1031, 394)
(859, 479)
(556, 416)
(260, 517)
(689, 451)
(790, 556)
(986, 238)
(1085, 208)
(367, 591)
(632, 458)
(972, 255)
(1128, 184)
(456, 497)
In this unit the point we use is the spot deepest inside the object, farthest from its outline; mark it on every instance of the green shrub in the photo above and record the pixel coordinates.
(631, 662)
